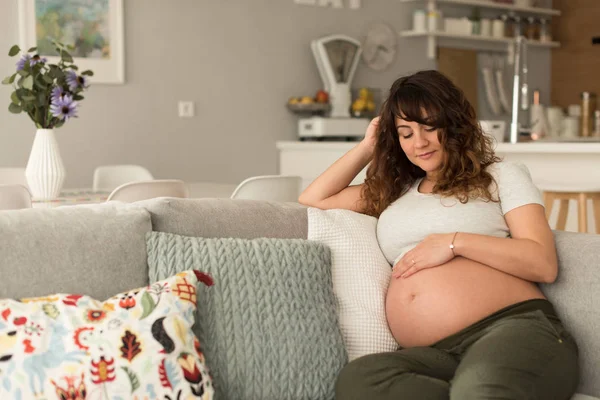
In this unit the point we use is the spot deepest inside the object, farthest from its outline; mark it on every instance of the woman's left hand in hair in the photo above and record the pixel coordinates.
(433, 251)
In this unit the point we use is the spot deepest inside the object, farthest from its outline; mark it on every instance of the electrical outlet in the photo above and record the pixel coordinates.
(186, 109)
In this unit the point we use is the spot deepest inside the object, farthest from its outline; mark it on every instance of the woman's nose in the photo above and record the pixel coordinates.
(420, 140)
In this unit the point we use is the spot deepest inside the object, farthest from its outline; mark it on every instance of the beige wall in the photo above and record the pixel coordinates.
(238, 60)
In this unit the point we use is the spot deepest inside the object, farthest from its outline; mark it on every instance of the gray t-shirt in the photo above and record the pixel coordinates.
(414, 216)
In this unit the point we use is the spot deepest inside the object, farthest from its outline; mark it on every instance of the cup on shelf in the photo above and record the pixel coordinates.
(498, 28)
(574, 110)
(486, 27)
(570, 127)
(419, 21)
(556, 116)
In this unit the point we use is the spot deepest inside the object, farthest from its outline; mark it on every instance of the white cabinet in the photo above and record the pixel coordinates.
(310, 159)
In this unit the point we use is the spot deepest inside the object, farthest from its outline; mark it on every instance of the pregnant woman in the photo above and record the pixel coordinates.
(468, 240)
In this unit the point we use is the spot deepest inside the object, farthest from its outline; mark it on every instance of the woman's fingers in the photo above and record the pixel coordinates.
(405, 263)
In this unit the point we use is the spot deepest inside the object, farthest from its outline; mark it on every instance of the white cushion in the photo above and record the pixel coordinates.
(361, 276)
(137, 344)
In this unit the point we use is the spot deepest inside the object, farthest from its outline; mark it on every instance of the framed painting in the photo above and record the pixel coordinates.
(93, 27)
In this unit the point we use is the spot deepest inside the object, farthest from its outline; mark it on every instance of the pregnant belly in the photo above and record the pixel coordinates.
(437, 302)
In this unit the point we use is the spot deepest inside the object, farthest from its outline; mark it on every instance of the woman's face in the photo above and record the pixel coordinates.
(420, 144)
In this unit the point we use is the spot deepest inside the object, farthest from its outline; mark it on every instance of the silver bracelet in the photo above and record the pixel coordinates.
(452, 244)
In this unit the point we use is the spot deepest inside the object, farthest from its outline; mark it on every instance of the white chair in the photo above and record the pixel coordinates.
(14, 197)
(269, 188)
(13, 176)
(136, 191)
(109, 177)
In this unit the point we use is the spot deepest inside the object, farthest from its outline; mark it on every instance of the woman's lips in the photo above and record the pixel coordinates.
(425, 156)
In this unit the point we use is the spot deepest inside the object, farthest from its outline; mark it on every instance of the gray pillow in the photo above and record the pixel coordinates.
(97, 250)
(268, 326)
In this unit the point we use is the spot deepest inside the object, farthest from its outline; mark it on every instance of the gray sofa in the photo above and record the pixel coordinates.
(100, 250)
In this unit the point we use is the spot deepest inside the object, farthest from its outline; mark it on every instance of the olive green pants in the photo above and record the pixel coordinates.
(520, 352)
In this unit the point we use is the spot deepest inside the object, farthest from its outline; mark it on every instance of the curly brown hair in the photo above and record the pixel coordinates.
(429, 98)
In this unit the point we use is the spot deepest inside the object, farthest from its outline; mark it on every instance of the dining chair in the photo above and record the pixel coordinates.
(13, 176)
(269, 188)
(136, 191)
(14, 197)
(109, 177)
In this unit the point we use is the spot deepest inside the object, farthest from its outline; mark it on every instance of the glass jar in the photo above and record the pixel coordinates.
(532, 29)
(508, 26)
(517, 26)
(545, 35)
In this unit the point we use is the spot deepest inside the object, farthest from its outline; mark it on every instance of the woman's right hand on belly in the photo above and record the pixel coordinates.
(432, 252)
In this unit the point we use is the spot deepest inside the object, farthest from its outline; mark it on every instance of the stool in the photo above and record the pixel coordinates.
(581, 196)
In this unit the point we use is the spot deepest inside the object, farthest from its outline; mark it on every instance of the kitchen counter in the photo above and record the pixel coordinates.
(525, 147)
(553, 165)
(549, 147)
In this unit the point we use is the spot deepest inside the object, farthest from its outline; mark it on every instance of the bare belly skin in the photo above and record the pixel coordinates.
(437, 302)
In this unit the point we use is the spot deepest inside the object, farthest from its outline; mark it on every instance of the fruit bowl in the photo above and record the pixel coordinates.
(311, 108)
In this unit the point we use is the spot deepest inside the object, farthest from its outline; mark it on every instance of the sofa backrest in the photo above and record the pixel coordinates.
(97, 250)
(576, 297)
(246, 219)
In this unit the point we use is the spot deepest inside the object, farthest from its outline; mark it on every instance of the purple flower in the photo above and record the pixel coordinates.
(57, 94)
(76, 81)
(84, 82)
(64, 108)
(37, 59)
(21, 63)
(72, 80)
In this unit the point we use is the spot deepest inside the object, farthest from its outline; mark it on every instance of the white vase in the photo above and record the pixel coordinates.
(45, 171)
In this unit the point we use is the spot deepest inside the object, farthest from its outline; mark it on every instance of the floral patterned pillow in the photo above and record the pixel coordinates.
(135, 345)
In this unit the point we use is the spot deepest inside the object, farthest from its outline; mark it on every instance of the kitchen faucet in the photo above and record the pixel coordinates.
(519, 90)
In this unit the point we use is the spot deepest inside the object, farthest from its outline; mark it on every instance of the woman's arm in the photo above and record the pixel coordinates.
(530, 254)
(330, 189)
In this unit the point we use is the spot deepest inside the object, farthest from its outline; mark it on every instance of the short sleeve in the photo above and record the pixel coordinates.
(515, 186)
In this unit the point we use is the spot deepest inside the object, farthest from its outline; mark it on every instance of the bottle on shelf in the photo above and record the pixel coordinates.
(588, 106)
(434, 20)
(537, 118)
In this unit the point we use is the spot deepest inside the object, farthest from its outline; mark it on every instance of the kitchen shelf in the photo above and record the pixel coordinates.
(471, 41)
(494, 5)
